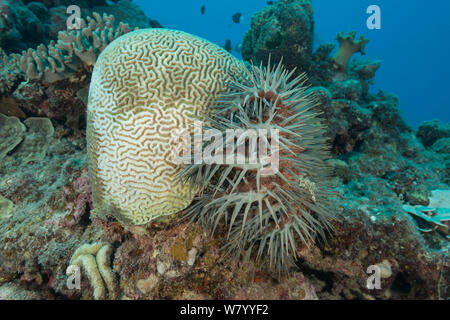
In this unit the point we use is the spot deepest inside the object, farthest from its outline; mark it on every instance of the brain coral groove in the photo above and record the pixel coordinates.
(146, 84)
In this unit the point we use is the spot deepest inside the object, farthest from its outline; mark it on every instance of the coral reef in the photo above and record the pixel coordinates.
(73, 49)
(431, 131)
(26, 24)
(131, 125)
(19, 26)
(60, 54)
(283, 30)
(380, 164)
(368, 69)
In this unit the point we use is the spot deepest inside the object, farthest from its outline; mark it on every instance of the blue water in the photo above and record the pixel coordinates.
(413, 43)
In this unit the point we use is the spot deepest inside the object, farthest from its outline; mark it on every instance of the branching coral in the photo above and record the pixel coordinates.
(145, 86)
(95, 259)
(267, 209)
(73, 49)
(348, 47)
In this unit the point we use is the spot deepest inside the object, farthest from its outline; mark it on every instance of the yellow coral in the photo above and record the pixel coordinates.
(95, 260)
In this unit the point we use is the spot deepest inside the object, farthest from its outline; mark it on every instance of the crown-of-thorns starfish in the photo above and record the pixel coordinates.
(267, 213)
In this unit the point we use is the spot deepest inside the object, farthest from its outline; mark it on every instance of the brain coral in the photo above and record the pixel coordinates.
(144, 85)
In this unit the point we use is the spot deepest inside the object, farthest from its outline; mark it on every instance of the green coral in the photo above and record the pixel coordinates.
(59, 60)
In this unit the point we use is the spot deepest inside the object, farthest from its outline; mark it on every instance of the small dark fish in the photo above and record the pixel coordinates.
(202, 10)
(269, 3)
(237, 17)
(227, 45)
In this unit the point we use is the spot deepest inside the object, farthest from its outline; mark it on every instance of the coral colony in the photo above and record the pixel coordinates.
(301, 181)
(130, 112)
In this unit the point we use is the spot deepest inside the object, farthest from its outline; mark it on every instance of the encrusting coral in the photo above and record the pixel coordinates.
(74, 49)
(37, 139)
(95, 259)
(28, 141)
(347, 47)
(11, 134)
(269, 205)
(145, 86)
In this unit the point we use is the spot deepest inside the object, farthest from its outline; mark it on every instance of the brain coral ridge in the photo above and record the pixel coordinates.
(145, 85)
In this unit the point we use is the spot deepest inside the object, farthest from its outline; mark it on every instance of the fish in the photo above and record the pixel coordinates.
(269, 3)
(202, 10)
(237, 17)
(227, 45)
